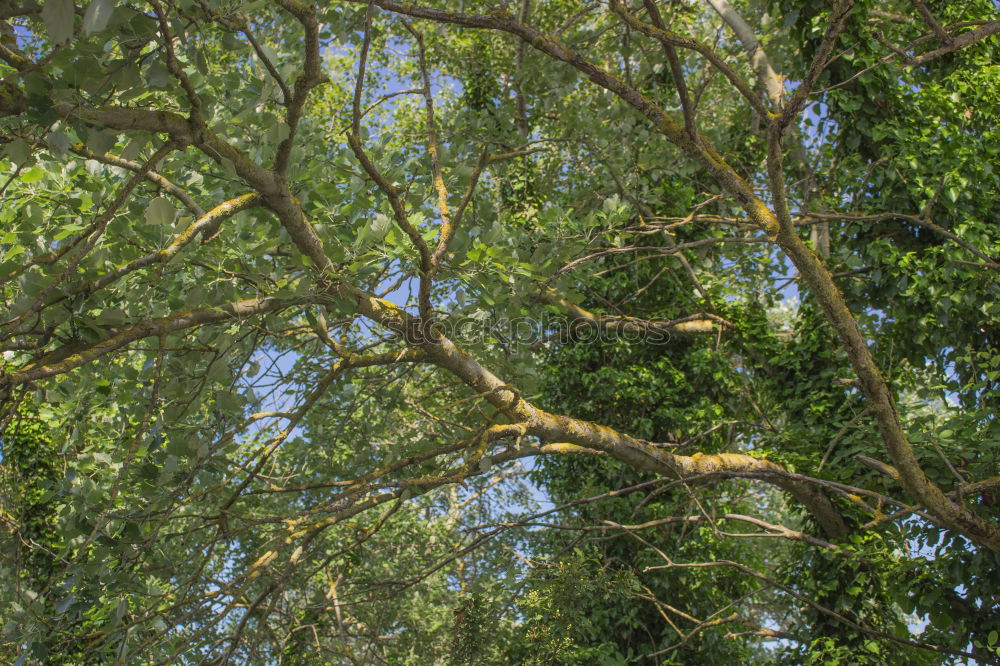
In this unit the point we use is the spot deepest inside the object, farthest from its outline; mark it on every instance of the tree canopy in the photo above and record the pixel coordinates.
(476, 332)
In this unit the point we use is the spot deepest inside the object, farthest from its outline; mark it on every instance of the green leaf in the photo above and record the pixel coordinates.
(380, 226)
(157, 75)
(13, 251)
(58, 17)
(100, 142)
(160, 211)
(58, 142)
(229, 168)
(32, 175)
(112, 317)
(97, 16)
(278, 133)
(18, 152)
(219, 372)
(134, 147)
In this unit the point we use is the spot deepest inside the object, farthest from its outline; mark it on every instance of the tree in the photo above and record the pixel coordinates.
(295, 291)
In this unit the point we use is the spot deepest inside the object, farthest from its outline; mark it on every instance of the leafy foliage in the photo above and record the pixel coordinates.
(547, 333)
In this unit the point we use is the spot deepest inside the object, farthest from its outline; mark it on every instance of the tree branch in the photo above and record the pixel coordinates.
(78, 356)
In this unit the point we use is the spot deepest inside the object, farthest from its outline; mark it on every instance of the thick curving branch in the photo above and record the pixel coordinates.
(815, 274)
(698, 324)
(70, 357)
